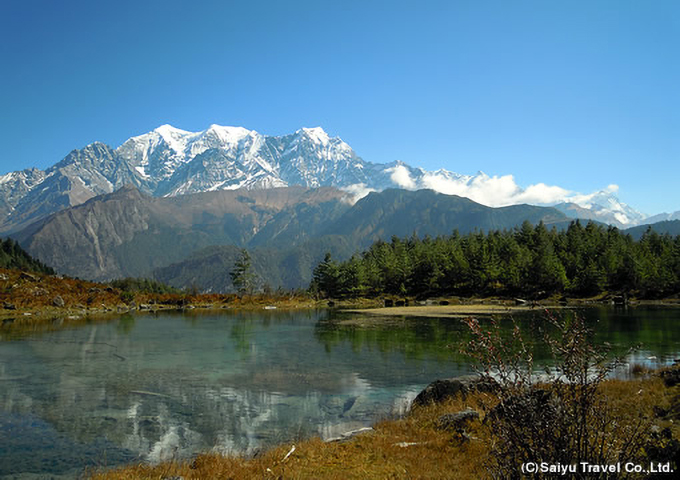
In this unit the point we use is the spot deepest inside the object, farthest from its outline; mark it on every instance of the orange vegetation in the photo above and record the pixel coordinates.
(412, 447)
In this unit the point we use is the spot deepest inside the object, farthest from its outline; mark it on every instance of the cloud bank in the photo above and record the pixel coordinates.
(493, 191)
(501, 191)
(358, 191)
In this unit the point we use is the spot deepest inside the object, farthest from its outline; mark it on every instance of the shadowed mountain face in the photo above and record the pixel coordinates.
(424, 212)
(666, 227)
(128, 233)
(194, 239)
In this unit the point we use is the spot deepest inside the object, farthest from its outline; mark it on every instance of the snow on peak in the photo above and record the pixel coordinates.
(167, 129)
(228, 134)
(316, 134)
(6, 177)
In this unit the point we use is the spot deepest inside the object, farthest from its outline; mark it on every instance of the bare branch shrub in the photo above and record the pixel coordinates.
(563, 420)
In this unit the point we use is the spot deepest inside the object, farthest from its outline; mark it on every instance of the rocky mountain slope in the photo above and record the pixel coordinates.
(188, 238)
(128, 233)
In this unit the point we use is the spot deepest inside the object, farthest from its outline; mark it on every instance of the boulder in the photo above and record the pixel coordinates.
(58, 301)
(670, 376)
(441, 390)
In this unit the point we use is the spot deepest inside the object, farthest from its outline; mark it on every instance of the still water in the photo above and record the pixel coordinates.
(155, 387)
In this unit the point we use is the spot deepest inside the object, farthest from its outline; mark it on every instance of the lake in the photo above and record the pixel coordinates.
(152, 387)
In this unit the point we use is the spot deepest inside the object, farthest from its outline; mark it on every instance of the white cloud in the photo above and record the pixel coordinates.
(496, 191)
(543, 194)
(358, 191)
(501, 191)
(401, 176)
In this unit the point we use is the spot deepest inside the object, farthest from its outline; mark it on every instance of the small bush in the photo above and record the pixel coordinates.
(566, 419)
(127, 297)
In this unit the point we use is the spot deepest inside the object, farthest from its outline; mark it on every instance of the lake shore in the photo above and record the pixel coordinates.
(31, 300)
(416, 446)
(464, 308)
(442, 311)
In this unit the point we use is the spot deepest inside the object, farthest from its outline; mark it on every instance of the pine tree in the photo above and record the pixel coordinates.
(242, 275)
(326, 278)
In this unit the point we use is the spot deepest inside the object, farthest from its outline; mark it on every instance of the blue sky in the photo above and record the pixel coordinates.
(580, 94)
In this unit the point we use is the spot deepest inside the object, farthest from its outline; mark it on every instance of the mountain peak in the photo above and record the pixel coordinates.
(227, 134)
(316, 134)
(161, 163)
(168, 129)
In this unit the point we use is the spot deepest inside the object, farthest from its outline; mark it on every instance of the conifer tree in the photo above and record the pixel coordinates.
(242, 275)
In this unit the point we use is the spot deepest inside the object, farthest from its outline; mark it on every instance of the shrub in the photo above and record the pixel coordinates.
(566, 419)
(127, 297)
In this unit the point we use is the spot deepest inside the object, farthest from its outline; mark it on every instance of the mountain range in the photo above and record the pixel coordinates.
(179, 206)
(168, 162)
(193, 239)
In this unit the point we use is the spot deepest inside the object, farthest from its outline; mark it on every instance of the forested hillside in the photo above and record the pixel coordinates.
(528, 261)
(13, 256)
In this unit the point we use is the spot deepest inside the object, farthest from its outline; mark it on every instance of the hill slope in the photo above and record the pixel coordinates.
(670, 227)
(288, 229)
(129, 234)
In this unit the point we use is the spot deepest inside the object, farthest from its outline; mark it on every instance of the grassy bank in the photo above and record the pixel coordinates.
(31, 300)
(417, 446)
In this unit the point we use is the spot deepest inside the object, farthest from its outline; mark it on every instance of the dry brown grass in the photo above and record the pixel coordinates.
(32, 302)
(433, 453)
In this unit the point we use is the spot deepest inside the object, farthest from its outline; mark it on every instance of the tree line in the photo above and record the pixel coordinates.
(531, 261)
(12, 256)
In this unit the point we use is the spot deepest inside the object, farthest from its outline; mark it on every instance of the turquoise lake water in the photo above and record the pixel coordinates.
(156, 387)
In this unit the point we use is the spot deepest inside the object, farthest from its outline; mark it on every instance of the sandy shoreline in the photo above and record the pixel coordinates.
(453, 311)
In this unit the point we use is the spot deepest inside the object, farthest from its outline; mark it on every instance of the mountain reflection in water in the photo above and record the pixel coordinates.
(154, 387)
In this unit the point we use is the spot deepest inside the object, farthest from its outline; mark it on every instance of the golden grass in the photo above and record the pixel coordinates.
(433, 453)
(33, 302)
(440, 311)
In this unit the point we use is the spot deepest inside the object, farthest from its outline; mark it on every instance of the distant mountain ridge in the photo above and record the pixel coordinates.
(187, 239)
(664, 227)
(171, 162)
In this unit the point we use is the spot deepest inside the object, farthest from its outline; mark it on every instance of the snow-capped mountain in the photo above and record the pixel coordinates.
(169, 162)
(663, 217)
(603, 206)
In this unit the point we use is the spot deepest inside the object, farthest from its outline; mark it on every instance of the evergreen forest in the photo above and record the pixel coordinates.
(528, 261)
(13, 256)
